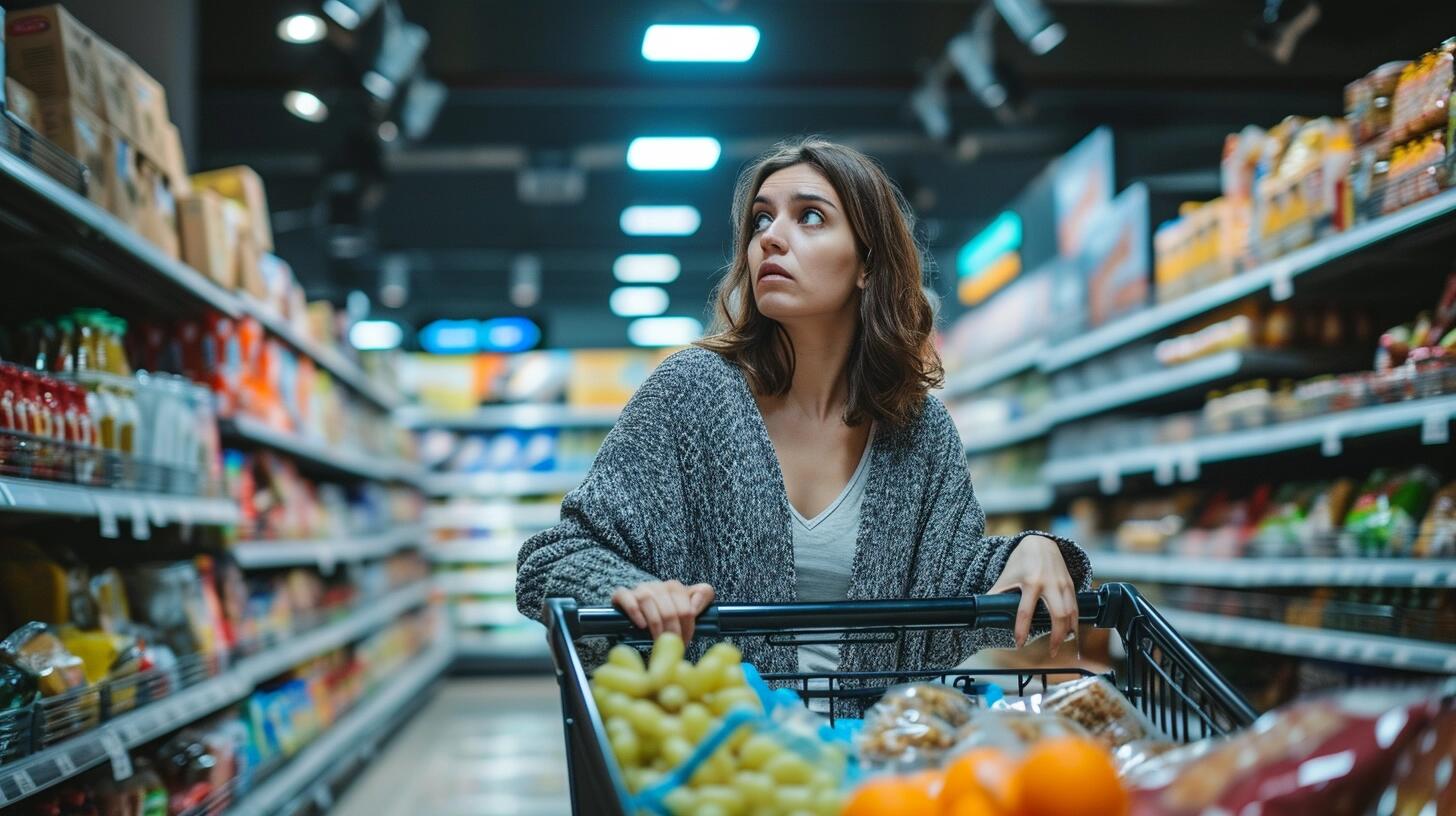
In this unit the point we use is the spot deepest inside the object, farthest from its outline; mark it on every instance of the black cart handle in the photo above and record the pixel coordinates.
(979, 611)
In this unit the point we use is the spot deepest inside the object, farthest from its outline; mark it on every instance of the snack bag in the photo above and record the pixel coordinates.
(35, 648)
(1096, 705)
(913, 726)
(1423, 782)
(1013, 731)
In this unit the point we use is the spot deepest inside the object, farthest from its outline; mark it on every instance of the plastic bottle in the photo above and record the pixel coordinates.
(64, 358)
(86, 351)
(105, 409)
(129, 422)
(115, 334)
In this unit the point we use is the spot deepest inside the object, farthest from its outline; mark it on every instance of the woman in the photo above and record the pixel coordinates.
(796, 453)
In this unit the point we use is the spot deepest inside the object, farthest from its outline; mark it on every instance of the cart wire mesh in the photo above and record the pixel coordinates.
(1161, 674)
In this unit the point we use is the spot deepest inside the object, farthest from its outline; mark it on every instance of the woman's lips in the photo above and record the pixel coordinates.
(769, 271)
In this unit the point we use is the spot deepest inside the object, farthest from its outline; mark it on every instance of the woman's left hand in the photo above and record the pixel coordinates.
(1037, 569)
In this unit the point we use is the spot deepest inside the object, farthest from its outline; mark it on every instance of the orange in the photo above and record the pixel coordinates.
(1070, 777)
(974, 803)
(890, 796)
(931, 781)
(984, 771)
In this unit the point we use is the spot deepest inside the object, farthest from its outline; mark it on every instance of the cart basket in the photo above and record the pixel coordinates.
(1161, 673)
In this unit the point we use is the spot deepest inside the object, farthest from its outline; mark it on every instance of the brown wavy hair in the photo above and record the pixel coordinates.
(893, 362)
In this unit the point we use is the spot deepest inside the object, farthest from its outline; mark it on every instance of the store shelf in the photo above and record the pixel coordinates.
(317, 452)
(477, 551)
(352, 736)
(503, 484)
(493, 516)
(1320, 644)
(1194, 376)
(102, 246)
(147, 509)
(975, 377)
(326, 552)
(1276, 276)
(1012, 433)
(114, 254)
(1431, 415)
(498, 614)
(1280, 572)
(498, 417)
(1028, 499)
(331, 360)
(74, 756)
(493, 581)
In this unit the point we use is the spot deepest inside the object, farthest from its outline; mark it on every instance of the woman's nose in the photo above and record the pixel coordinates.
(770, 239)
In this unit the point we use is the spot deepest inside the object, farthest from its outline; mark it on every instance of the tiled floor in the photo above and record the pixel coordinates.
(478, 747)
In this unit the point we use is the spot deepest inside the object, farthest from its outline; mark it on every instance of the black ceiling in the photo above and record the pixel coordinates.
(563, 83)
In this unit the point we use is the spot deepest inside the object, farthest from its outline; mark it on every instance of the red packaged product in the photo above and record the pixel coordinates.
(1330, 755)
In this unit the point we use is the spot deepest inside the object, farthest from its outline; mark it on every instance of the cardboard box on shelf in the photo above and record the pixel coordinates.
(173, 162)
(149, 102)
(79, 131)
(123, 178)
(321, 321)
(244, 186)
(22, 102)
(210, 225)
(54, 55)
(156, 215)
(250, 271)
(113, 71)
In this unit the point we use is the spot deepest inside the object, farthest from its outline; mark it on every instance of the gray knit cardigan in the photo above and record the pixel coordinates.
(687, 486)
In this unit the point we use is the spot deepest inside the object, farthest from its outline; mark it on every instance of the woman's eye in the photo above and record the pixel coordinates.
(812, 217)
(761, 222)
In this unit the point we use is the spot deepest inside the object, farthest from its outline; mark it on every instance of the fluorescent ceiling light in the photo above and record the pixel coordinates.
(660, 220)
(664, 331)
(699, 43)
(673, 153)
(305, 106)
(647, 268)
(1033, 23)
(639, 301)
(301, 29)
(450, 336)
(509, 334)
(376, 335)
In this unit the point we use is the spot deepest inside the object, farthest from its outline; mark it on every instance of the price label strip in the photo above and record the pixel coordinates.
(117, 753)
(1436, 428)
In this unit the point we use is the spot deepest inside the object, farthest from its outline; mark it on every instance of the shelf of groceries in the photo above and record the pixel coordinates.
(326, 553)
(102, 722)
(1312, 571)
(118, 249)
(320, 453)
(1274, 277)
(1322, 644)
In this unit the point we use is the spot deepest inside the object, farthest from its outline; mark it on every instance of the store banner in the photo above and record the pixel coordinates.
(1116, 258)
(1082, 185)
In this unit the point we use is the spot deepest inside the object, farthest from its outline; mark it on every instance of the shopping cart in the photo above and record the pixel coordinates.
(1161, 674)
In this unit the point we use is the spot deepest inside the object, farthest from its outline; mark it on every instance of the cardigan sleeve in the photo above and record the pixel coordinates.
(969, 561)
(609, 522)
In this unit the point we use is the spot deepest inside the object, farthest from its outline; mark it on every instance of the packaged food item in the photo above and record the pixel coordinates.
(1096, 705)
(1437, 538)
(35, 648)
(1013, 730)
(913, 725)
(18, 689)
(1327, 754)
(1423, 782)
(1384, 519)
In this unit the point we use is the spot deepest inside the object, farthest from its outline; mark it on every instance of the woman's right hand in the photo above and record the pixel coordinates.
(664, 606)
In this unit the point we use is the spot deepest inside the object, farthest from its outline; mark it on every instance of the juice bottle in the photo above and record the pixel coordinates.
(114, 336)
(86, 351)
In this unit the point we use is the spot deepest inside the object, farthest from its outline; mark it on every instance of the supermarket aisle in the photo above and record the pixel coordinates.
(480, 746)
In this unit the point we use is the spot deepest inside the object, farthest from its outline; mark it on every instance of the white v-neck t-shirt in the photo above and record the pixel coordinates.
(824, 555)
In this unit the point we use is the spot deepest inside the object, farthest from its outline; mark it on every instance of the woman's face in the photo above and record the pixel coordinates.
(802, 257)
